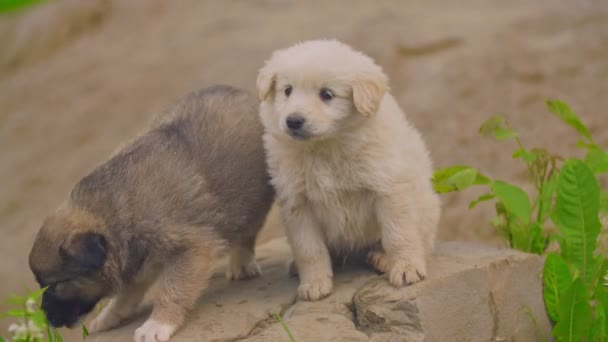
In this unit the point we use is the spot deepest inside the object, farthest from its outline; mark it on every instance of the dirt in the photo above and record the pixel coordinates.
(66, 103)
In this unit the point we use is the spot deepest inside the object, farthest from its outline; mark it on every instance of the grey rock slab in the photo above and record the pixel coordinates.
(229, 310)
(472, 293)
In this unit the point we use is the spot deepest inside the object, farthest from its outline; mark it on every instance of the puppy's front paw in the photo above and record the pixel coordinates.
(315, 289)
(154, 331)
(406, 272)
(247, 270)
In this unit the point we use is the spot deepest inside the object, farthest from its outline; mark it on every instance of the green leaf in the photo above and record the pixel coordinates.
(576, 215)
(597, 160)
(496, 126)
(556, 279)
(563, 111)
(574, 314)
(518, 234)
(49, 333)
(16, 300)
(598, 331)
(502, 133)
(525, 155)
(514, 199)
(1, 339)
(604, 202)
(546, 197)
(58, 337)
(490, 125)
(456, 178)
(538, 240)
(584, 144)
(85, 332)
(480, 199)
(38, 293)
(596, 287)
(15, 313)
(38, 318)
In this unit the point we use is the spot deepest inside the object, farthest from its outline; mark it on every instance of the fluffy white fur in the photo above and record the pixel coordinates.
(358, 174)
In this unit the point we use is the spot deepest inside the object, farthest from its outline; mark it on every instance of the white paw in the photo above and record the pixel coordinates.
(316, 288)
(406, 272)
(243, 271)
(154, 331)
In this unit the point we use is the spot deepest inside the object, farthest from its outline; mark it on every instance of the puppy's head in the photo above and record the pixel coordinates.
(318, 88)
(68, 258)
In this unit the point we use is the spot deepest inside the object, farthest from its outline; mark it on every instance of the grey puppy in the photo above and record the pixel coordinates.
(162, 207)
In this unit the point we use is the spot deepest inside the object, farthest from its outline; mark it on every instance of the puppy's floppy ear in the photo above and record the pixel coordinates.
(368, 92)
(265, 82)
(85, 251)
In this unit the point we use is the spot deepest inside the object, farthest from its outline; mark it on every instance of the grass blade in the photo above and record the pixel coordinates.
(285, 327)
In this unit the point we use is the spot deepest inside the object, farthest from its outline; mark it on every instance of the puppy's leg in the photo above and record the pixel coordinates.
(181, 284)
(242, 261)
(400, 221)
(120, 307)
(310, 253)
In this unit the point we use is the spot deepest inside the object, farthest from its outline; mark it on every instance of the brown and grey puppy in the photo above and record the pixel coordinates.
(162, 208)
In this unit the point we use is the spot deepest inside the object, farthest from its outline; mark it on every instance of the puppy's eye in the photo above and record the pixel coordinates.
(326, 94)
(287, 90)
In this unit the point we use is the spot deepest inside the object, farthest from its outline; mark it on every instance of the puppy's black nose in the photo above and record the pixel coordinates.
(295, 121)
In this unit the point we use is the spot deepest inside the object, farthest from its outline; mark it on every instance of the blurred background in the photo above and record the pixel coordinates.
(78, 77)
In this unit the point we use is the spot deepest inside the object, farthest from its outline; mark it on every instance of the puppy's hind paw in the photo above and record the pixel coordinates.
(316, 289)
(378, 260)
(406, 273)
(244, 271)
(154, 331)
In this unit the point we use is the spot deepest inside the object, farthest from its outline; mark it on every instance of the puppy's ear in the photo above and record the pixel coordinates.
(85, 251)
(265, 82)
(368, 93)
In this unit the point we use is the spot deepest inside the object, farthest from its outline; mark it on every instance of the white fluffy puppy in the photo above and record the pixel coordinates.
(349, 170)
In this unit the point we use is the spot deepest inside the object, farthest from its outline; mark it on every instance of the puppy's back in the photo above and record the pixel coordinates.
(222, 125)
(201, 163)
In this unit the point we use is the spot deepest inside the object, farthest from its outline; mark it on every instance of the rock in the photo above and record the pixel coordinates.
(472, 293)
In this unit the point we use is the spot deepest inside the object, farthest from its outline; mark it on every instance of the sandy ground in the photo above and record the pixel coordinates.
(64, 109)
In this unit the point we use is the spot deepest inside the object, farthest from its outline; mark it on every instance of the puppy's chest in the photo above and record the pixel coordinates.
(321, 179)
(337, 193)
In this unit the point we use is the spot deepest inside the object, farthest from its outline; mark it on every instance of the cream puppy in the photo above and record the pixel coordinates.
(351, 173)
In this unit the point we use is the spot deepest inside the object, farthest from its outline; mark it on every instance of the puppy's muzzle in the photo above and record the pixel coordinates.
(66, 313)
(295, 122)
(295, 126)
